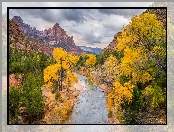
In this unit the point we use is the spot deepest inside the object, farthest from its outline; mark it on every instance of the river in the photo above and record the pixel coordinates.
(90, 107)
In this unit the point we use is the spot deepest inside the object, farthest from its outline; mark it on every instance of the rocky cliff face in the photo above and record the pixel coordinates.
(112, 44)
(18, 39)
(55, 36)
(170, 9)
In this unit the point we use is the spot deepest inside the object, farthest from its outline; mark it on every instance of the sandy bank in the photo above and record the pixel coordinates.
(76, 87)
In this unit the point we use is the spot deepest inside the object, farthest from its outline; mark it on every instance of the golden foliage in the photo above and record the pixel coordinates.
(64, 61)
(122, 93)
(143, 31)
(71, 78)
(112, 67)
(91, 61)
(153, 95)
(143, 43)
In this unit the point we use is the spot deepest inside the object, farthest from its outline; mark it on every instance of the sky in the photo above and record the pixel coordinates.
(89, 27)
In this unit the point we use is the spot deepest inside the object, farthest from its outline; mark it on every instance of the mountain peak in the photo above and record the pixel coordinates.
(56, 25)
(55, 36)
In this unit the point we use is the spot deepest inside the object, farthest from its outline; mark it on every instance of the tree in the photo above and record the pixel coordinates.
(90, 62)
(144, 44)
(82, 60)
(143, 31)
(29, 96)
(146, 33)
(62, 70)
(112, 69)
(142, 67)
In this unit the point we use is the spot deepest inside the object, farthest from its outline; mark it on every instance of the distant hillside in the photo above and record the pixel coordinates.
(55, 36)
(90, 50)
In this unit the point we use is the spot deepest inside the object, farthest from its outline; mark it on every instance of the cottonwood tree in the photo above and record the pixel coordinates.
(143, 65)
(62, 70)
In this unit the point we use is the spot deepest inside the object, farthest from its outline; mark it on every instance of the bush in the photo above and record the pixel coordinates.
(23, 62)
(109, 113)
(132, 109)
(123, 79)
(53, 90)
(35, 105)
(29, 94)
(57, 95)
(154, 96)
(31, 97)
(14, 99)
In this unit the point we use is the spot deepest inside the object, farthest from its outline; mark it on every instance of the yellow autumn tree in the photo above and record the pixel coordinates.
(143, 31)
(90, 62)
(146, 32)
(112, 68)
(135, 65)
(143, 42)
(122, 93)
(62, 70)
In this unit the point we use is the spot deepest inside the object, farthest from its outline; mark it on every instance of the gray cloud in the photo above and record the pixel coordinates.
(73, 15)
(90, 27)
(91, 38)
(112, 27)
(121, 12)
(54, 15)
(44, 14)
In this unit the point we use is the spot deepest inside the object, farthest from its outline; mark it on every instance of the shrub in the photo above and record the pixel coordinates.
(53, 90)
(57, 96)
(154, 96)
(32, 98)
(14, 99)
(132, 109)
(110, 113)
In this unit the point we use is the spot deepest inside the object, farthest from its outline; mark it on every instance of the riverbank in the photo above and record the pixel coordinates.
(112, 119)
(56, 111)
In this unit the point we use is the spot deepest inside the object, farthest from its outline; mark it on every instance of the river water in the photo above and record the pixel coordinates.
(90, 107)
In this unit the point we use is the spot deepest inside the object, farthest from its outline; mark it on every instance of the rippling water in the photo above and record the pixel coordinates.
(90, 107)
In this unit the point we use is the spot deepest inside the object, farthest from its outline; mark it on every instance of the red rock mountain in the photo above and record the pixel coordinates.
(112, 44)
(170, 10)
(18, 39)
(55, 36)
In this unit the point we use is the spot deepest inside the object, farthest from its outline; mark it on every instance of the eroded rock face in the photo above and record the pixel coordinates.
(112, 44)
(55, 36)
(18, 39)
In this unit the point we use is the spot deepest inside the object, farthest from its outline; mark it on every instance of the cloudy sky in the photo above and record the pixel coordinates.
(89, 27)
